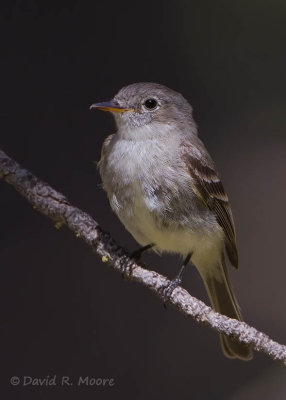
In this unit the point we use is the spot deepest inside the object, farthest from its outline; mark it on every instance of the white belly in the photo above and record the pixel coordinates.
(141, 184)
(205, 243)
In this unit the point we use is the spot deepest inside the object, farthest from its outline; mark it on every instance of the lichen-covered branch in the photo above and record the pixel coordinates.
(56, 206)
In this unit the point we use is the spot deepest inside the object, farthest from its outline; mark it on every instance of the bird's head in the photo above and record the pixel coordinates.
(151, 106)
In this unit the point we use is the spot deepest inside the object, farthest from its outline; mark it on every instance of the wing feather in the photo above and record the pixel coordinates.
(212, 193)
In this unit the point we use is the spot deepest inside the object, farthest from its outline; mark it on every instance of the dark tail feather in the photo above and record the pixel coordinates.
(223, 300)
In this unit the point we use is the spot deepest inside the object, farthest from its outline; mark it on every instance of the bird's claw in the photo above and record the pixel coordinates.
(166, 291)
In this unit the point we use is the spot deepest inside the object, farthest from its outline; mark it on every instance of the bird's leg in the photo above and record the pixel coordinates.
(138, 253)
(168, 290)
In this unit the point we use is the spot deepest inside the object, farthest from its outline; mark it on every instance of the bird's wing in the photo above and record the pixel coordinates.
(211, 191)
(104, 145)
(103, 151)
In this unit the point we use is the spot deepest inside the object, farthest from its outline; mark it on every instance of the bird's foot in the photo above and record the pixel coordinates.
(167, 290)
(128, 267)
(126, 264)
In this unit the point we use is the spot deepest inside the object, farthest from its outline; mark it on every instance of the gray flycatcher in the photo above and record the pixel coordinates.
(164, 187)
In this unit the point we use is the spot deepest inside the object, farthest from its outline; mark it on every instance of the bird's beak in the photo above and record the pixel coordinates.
(110, 106)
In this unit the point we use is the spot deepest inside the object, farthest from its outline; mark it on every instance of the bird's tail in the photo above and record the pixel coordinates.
(223, 301)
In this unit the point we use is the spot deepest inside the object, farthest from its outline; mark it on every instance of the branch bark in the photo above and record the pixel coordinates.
(56, 207)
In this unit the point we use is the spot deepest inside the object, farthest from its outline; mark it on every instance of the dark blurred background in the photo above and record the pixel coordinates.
(63, 312)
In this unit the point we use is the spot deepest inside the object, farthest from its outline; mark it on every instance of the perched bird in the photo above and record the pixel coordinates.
(164, 187)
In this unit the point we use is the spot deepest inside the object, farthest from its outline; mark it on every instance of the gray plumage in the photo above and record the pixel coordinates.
(164, 187)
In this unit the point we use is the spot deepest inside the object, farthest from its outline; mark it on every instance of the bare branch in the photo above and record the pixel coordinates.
(55, 206)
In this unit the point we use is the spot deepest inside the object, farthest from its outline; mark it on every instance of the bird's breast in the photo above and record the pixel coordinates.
(151, 192)
(129, 172)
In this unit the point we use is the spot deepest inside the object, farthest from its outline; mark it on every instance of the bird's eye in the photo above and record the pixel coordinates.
(150, 104)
